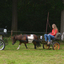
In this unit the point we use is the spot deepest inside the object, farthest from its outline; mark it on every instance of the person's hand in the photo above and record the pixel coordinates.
(50, 33)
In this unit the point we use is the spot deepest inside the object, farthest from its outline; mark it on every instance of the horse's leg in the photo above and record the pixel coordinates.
(19, 46)
(34, 45)
(25, 45)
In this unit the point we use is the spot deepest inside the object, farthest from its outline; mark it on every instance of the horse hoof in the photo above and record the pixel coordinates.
(34, 48)
(17, 49)
(26, 48)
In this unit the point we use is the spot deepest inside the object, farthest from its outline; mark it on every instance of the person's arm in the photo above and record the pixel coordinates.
(54, 32)
(50, 33)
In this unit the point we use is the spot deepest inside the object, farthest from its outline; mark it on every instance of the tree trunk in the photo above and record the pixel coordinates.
(63, 1)
(62, 21)
(14, 15)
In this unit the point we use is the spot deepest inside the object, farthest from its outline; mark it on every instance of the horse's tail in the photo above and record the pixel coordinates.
(37, 41)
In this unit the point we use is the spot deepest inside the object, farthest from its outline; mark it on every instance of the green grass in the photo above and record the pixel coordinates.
(10, 55)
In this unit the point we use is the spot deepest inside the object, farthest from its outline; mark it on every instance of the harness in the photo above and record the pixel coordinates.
(26, 38)
(30, 38)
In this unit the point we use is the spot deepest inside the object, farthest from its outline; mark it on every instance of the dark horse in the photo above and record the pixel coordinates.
(26, 39)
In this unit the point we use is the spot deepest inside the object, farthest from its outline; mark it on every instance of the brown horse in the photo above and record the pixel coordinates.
(26, 39)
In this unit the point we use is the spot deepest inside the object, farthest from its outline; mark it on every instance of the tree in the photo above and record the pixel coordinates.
(14, 15)
(62, 20)
(31, 14)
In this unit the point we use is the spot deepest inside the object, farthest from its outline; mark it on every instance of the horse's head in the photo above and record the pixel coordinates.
(13, 40)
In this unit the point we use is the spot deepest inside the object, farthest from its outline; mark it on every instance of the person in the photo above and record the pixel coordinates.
(52, 34)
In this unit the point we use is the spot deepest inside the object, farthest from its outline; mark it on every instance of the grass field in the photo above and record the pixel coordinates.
(10, 55)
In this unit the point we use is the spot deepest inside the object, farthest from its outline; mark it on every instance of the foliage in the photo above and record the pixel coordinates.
(5, 13)
(32, 14)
